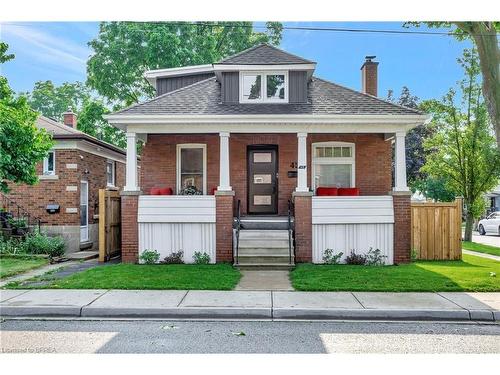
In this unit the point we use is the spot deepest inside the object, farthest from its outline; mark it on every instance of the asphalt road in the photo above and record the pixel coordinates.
(66, 336)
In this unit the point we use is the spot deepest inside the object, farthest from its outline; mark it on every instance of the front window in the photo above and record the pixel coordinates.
(191, 169)
(258, 87)
(110, 173)
(333, 165)
(49, 164)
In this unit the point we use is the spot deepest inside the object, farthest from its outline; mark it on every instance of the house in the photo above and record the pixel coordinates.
(249, 134)
(66, 197)
(493, 200)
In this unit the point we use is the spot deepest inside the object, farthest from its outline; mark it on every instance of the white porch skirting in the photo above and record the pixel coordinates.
(175, 223)
(352, 223)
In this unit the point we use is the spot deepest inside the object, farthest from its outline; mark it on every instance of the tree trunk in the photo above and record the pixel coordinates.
(469, 221)
(484, 35)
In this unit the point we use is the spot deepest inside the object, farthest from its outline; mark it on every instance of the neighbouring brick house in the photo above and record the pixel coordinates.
(70, 177)
(250, 134)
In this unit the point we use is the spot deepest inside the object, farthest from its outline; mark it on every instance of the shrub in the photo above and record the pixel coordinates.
(201, 257)
(149, 257)
(329, 257)
(357, 259)
(40, 243)
(174, 258)
(375, 257)
(11, 247)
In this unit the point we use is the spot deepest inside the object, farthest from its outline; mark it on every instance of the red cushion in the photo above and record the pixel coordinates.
(212, 191)
(166, 191)
(154, 191)
(348, 191)
(327, 191)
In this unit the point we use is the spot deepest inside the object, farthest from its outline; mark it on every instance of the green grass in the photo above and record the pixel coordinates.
(480, 248)
(134, 276)
(12, 265)
(470, 274)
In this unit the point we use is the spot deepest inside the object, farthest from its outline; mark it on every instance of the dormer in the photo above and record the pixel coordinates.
(264, 75)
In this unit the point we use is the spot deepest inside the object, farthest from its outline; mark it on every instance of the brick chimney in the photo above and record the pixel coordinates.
(69, 118)
(369, 76)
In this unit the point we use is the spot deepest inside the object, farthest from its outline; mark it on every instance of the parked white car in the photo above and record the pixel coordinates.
(490, 225)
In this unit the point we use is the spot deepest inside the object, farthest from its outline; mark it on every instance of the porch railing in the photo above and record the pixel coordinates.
(290, 233)
(15, 211)
(238, 228)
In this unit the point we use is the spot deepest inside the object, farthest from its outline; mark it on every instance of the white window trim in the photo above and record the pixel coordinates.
(333, 160)
(178, 164)
(45, 171)
(263, 87)
(113, 173)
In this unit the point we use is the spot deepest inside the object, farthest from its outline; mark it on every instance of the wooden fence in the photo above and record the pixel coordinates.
(437, 230)
(109, 224)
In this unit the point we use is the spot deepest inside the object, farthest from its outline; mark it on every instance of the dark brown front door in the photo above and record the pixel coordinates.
(263, 180)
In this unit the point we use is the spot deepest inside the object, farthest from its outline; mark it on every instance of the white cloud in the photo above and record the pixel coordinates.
(44, 47)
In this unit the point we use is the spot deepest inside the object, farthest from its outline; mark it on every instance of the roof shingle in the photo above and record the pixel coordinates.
(264, 54)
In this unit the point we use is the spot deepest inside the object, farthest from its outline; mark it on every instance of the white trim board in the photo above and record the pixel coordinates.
(90, 148)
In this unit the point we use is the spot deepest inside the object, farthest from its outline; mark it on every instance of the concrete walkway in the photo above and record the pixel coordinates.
(36, 272)
(269, 305)
(482, 255)
(264, 280)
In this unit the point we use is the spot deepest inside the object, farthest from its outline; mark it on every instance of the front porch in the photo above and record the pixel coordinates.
(259, 173)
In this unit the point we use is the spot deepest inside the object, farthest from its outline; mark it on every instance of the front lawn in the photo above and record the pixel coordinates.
(134, 276)
(470, 274)
(12, 265)
(480, 248)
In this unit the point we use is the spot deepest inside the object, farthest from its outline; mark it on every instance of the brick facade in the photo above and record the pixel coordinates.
(402, 227)
(130, 228)
(224, 227)
(303, 228)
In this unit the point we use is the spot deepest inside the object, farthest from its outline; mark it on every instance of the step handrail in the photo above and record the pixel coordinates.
(290, 233)
(238, 228)
(21, 211)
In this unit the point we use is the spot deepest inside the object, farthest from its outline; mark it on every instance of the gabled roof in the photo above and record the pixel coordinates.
(61, 131)
(324, 98)
(263, 54)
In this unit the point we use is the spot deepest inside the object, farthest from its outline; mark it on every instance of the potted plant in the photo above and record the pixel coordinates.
(190, 190)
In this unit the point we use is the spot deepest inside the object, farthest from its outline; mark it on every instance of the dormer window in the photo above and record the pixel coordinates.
(263, 87)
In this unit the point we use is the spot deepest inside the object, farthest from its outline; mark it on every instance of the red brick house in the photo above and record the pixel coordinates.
(249, 134)
(69, 179)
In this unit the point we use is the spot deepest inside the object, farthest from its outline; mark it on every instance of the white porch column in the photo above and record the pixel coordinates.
(224, 181)
(131, 171)
(400, 163)
(302, 163)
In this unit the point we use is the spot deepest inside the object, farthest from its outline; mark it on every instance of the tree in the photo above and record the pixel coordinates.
(91, 121)
(123, 51)
(463, 150)
(415, 153)
(484, 36)
(52, 101)
(4, 57)
(22, 145)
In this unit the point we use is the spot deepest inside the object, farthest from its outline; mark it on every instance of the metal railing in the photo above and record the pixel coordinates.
(11, 207)
(290, 233)
(238, 228)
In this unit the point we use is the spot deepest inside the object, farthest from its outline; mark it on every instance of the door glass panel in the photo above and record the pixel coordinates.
(261, 178)
(261, 200)
(262, 157)
(333, 175)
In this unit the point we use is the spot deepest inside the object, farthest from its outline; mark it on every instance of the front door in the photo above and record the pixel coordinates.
(263, 180)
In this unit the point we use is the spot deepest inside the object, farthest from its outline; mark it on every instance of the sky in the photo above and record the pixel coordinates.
(58, 51)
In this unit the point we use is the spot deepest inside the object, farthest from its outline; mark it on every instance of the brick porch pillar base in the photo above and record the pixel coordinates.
(130, 227)
(402, 227)
(224, 226)
(303, 227)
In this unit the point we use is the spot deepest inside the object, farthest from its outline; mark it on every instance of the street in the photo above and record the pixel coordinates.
(156, 336)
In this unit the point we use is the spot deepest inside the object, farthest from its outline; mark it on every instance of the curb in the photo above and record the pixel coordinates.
(251, 313)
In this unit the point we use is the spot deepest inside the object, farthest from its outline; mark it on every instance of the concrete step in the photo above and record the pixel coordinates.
(265, 222)
(258, 251)
(263, 243)
(82, 255)
(266, 267)
(263, 259)
(261, 234)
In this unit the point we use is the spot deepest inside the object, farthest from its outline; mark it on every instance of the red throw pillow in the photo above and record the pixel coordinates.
(166, 191)
(348, 191)
(327, 191)
(155, 191)
(213, 190)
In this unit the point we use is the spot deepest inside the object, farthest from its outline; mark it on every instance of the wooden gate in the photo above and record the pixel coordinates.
(109, 224)
(436, 232)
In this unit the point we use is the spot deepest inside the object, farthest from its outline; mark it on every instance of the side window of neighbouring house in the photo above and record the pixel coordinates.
(191, 167)
(110, 173)
(49, 164)
(333, 164)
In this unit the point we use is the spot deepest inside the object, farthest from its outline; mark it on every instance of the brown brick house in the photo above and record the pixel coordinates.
(284, 164)
(70, 177)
